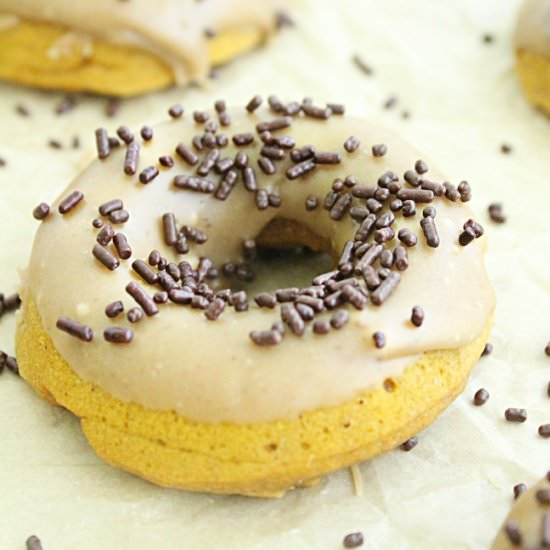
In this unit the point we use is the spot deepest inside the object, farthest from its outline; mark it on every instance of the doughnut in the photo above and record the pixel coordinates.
(125, 48)
(533, 52)
(528, 523)
(141, 314)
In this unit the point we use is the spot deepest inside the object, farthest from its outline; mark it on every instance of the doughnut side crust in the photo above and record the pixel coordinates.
(533, 70)
(263, 459)
(102, 68)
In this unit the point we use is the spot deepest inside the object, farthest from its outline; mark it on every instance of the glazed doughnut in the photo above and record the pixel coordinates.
(528, 523)
(125, 48)
(533, 52)
(226, 390)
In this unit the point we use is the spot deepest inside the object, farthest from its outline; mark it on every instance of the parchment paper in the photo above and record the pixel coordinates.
(455, 487)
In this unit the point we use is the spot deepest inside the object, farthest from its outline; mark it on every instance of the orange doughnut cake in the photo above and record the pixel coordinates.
(141, 315)
(122, 48)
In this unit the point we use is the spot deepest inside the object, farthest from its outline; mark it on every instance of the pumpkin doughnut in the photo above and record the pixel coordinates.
(528, 523)
(136, 314)
(125, 48)
(533, 52)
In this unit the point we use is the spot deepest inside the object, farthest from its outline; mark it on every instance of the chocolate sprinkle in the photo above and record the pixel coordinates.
(102, 143)
(362, 65)
(166, 161)
(506, 148)
(175, 111)
(421, 167)
(410, 444)
(272, 125)
(379, 339)
(110, 206)
(327, 157)
(266, 337)
(353, 540)
(417, 316)
(515, 415)
(118, 335)
(135, 315)
(351, 144)
(11, 364)
(544, 430)
(513, 533)
(215, 309)
(300, 169)
(265, 299)
(386, 288)
(41, 211)
(495, 213)
(254, 103)
(339, 318)
(481, 397)
(430, 231)
(487, 349)
(146, 133)
(148, 174)
(68, 203)
(105, 236)
(119, 216)
(124, 133)
(186, 154)
(321, 326)
(121, 244)
(131, 159)
(142, 298)
(292, 318)
(105, 256)
(379, 150)
(114, 308)
(193, 183)
(82, 332)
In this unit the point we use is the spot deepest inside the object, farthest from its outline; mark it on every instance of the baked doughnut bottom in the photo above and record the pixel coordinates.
(534, 75)
(264, 459)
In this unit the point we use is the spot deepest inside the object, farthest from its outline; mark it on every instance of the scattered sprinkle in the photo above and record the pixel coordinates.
(410, 444)
(487, 349)
(362, 65)
(353, 540)
(495, 213)
(481, 397)
(515, 415)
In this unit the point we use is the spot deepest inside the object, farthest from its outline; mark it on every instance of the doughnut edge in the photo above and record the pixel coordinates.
(533, 70)
(112, 69)
(264, 459)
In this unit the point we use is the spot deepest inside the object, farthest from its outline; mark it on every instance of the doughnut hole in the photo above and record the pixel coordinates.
(284, 243)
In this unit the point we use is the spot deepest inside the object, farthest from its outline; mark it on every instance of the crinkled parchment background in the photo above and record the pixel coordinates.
(451, 491)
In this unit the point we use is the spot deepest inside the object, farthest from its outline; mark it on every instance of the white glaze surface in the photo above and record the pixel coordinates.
(455, 488)
(211, 371)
